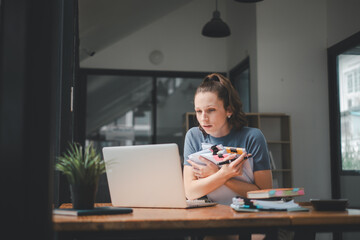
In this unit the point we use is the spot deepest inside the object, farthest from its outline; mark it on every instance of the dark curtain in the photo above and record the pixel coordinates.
(29, 79)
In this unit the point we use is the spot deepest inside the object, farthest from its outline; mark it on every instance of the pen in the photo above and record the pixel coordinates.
(234, 150)
(230, 160)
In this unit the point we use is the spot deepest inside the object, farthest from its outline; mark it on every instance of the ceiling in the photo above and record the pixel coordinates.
(103, 23)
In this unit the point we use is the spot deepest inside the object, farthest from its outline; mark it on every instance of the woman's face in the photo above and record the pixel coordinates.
(211, 114)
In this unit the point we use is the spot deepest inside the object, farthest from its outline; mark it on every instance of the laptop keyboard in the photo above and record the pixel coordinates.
(199, 203)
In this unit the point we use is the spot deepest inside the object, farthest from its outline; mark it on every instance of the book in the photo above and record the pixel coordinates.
(275, 193)
(216, 154)
(293, 207)
(94, 211)
(252, 205)
(281, 205)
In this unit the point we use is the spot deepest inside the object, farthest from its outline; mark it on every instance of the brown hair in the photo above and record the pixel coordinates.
(217, 83)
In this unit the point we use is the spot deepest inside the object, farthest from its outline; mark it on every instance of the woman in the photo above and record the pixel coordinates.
(221, 121)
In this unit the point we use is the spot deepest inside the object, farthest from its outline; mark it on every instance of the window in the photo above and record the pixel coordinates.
(137, 107)
(344, 109)
(240, 78)
(348, 65)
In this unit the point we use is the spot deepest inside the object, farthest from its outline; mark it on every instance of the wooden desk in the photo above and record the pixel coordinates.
(308, 223)
(219, 219)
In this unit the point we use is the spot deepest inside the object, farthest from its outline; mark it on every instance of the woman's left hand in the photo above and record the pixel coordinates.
(203, 171)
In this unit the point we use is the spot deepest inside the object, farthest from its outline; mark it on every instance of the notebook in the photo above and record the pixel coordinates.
(94, 211)
(276, 193)
(147, 176)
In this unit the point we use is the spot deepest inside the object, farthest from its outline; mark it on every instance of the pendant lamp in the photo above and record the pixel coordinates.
(248, 1)
(216, 27)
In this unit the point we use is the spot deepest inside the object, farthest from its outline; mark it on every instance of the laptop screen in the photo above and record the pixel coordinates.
(145, 176)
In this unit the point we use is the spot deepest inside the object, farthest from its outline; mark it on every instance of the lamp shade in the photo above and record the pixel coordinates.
(248, 1)
(216, 27)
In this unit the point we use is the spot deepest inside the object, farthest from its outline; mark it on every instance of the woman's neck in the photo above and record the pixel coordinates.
(224, 132)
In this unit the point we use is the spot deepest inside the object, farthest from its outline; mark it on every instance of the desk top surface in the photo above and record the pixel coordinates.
(219, 216)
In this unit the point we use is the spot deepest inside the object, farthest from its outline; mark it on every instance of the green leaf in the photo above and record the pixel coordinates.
(81, 166)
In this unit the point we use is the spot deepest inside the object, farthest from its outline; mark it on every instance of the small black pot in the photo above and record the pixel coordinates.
(83, 196)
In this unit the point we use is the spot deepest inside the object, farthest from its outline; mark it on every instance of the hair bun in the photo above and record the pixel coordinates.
(212, 77)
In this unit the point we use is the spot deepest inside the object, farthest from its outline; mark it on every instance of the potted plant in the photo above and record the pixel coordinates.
(83, 168)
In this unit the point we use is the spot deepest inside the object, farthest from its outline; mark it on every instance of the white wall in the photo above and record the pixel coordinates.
(343, 20)
(292, 78)
(177, 35)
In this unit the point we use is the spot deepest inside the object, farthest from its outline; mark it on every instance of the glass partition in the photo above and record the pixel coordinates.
(133, 110)
(119, 110)
(174, 98)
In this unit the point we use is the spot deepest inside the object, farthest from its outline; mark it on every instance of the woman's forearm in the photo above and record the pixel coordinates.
(240, 187)
(263, 180)
(196, 188)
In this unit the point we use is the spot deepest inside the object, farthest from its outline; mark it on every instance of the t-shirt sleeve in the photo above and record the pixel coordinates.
(257, 146)
(190, 144)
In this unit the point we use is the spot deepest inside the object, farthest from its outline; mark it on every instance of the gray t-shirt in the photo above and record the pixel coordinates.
(251, 139)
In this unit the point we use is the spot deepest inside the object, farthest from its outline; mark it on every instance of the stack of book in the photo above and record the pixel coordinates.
(277, 199)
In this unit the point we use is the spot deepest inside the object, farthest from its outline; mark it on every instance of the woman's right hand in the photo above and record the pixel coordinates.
(235, 168)
(203, 171)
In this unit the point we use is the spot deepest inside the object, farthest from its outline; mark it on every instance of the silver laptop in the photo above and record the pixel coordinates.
(147, 176)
